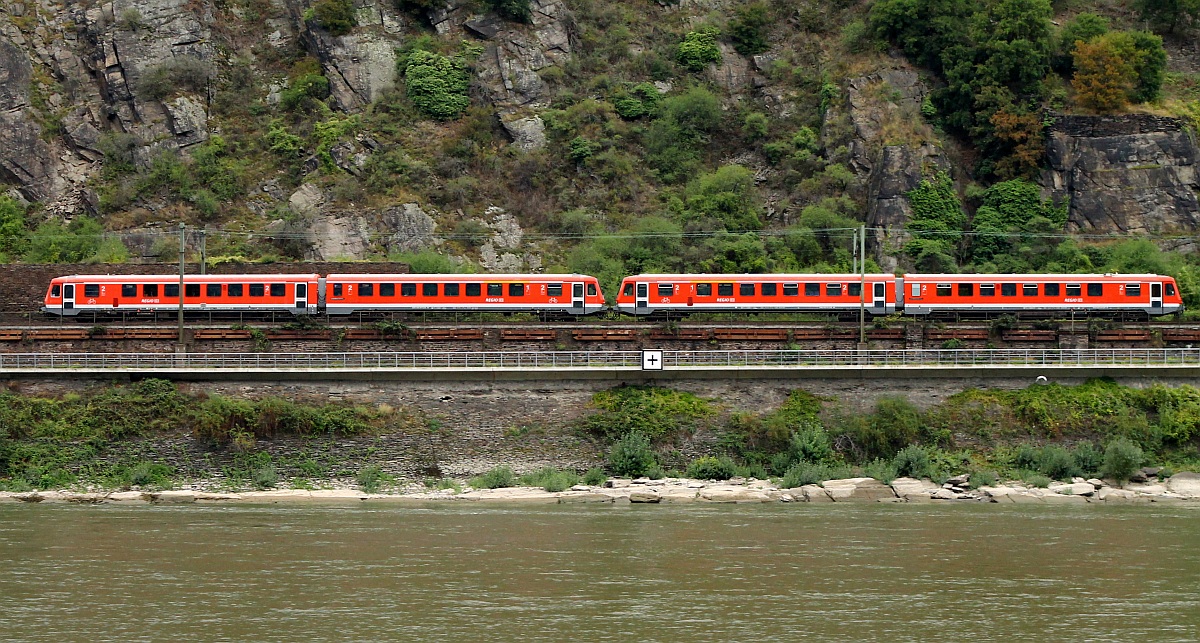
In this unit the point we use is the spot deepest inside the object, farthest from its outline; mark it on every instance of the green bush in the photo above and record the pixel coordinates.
(982, 478)
(371, 478)
(651, 412)
(549, 479)
(880, 469)
(1088, 459)
(14, 238)
(518, 10)
(710, 468)
(304, 91)
(1057, 463)
(436, 85)
(699, 49)
(748, 29)
(337, 16)
(631, 456)
(264, 476)
(594, 477)
(1121, 459)
(150, 474)
(177, 74)
(496, 478)
(913, 461)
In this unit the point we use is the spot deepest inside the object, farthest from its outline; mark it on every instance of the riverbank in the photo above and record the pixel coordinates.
(1181, 487)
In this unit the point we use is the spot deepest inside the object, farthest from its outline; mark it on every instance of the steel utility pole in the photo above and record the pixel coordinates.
(862, 285)
(182, 258)
(203, 252)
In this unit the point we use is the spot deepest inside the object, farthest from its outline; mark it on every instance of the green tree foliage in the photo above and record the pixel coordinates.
(14, 237)
(675, 139)
(1009, 220)
(1081, 28)
(1121, 458)
(724, 199)
(1150, 67)
(632, 456)
(518, 10)
(436, 85)
(337, 16)
(748, 29)
(699, 49)
(74, 242)
(936, 224)
(304, 91)
(1169, 15)
(637, 101)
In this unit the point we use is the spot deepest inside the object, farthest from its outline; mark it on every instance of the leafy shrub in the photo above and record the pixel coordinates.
(179, 73)
(303, 91)
(371, 478)
(637, 101)
(518, 10)
(631, 456)
(148, 474)
(1056, 462)
(810, 442)
(710, 468)
(1034, 479)
(651, 412)
(748, 29)
(656, 472)
(913, 461)
(982, 478)
(14, 238)
(436, 85)
(1104, 71)
(803, 473)
(1088, 459)
(337, 16)
(496, 478)
(594, 477)
(1121, 458)
(264, 476)
(74, 242)
(549, 479)
(880, 469)
(699, 49)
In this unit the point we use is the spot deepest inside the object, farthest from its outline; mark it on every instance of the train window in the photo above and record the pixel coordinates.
(1029, 290)
(1095, 290)
(429, 290)
(495, 290)
(474, 290)
(1170, 290)
(337, 289)
(1133, 290)
(1050, 290)
(389, 290)
(212, 290)
(666, 290)
(770, 290)
(987, 290)
(746, 290)
(364, 290)
(91, 290)
(171, 290)
(516, 290)
(450, 290)
(1073, 290)
(966, 290)
(191, 290)
(833, 290)
(1008, 290)
(554, 290)
(628, 289)
(724, 290)
(854, 290)
(279, 290)
(258, 290)
(129, 290)
(791, 290)
(235, 290)
(812, 290)
(57, 292)
(943, 290)
(704, 290)
(592, 292)
(149, 290)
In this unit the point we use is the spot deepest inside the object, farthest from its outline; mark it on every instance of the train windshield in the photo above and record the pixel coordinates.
(1170, 289)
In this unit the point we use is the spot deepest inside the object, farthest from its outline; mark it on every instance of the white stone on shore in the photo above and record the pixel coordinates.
(913, 490)
(1074, 489)
(816, 493)
(1185, 484)
(945, 494)
(644, 497)
(857, 489)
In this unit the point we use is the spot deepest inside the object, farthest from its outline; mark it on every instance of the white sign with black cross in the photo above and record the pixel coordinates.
(652, 360)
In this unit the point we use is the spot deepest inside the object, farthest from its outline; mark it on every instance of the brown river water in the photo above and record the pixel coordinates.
(472, 572)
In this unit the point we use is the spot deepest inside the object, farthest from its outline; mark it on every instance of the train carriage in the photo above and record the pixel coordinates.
(544, 293)
(152, 294)
(930, 294)
(657, 293)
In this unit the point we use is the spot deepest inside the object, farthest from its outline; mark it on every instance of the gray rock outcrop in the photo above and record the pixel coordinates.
(1134, 173)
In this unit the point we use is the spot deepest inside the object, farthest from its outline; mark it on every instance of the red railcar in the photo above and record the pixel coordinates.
(117, 294)
(649, 294)
(567, 294)
(1045, 294)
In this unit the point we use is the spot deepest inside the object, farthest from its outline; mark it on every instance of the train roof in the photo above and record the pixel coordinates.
(760, 276)
(1113, 276)
(262, 276)
(458, 277)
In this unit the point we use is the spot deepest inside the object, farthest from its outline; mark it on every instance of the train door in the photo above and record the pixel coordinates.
(1156, 298)
(68, 298)
(878, 302)
(641, 303)
(577, 301)
(301, 299)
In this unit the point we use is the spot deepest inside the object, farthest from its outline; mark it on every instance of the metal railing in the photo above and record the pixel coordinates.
(511, 360)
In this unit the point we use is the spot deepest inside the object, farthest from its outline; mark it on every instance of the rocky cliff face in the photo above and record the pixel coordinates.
(1134, 174)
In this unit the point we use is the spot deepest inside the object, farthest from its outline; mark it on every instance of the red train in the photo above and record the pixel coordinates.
(570, 294)
(912, 294)
(336, 294)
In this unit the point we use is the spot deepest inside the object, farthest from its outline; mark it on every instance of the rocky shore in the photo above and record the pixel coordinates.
(1181, 487)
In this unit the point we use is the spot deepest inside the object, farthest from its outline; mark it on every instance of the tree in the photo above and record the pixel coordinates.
(747, 29)
(1169, 15)
(937, 222)
(437, 85)
(1022, 134)
(1150, 67)
(335, 15)
(14, 238)
(1081, 28)
(1105, 71)
(726, 196)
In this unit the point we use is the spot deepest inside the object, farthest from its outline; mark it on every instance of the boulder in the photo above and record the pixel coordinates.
(172, 497)
(1074, 489)
(913, 490)
(528, 133)
(945, 494)
(815, 493)
(587, 497)
(1109, 494)
(1185, 484)
(644, 497)
(857, 489)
